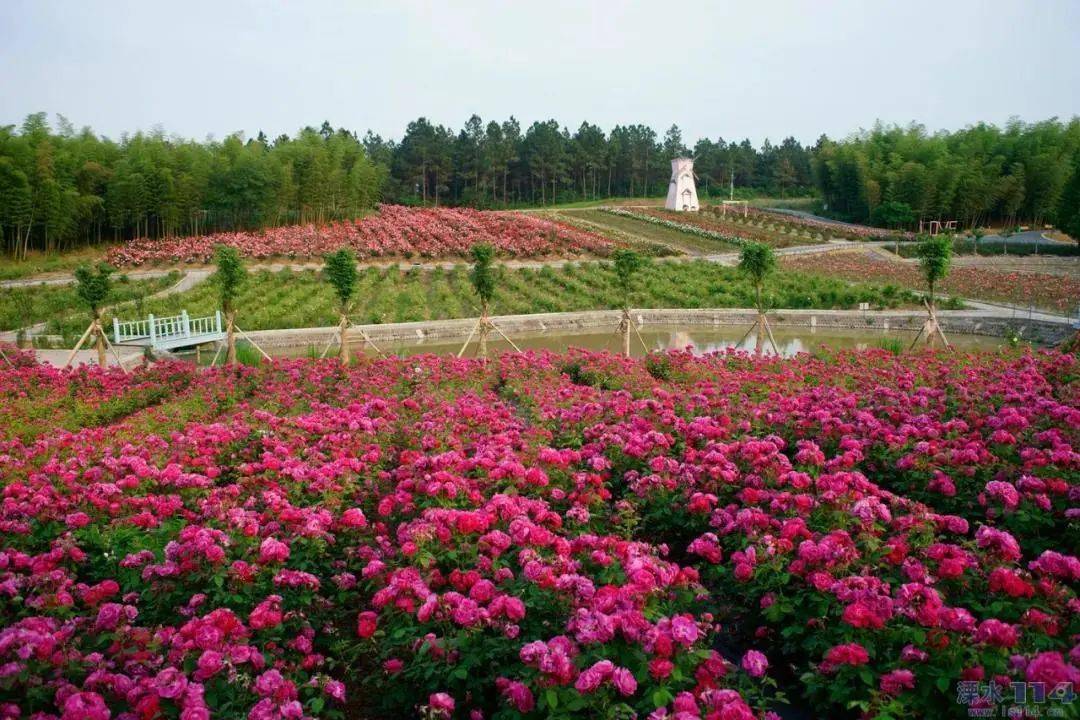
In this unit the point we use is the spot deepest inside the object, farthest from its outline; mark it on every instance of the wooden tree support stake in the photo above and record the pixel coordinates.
(255, 344)
(626, 324)
(115, 352)
(768, 329)
(213, 361)
(930, 329)
(366, 338)
(624, 331)
(78, 345)
(507, 339)
(468, 339)
(761, 323)
(637, 332)
(330, 342)
(484, 325)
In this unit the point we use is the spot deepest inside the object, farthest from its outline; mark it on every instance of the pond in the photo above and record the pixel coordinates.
(700, 339)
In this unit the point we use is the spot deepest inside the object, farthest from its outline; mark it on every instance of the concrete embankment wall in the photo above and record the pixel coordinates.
(954, 321)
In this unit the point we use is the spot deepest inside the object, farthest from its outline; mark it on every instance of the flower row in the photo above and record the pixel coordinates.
(394, 231)
(702, 232)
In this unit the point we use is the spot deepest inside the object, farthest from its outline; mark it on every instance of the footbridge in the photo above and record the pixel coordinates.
(168, 333)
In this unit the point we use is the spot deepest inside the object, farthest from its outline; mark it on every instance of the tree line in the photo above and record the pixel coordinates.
(980, 175)
(61, 188)
(500, 164)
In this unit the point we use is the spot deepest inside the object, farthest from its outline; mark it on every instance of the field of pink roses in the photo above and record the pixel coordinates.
(394, 231)
(576, 535)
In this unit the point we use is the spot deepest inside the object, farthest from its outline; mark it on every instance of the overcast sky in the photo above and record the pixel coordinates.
(752, 68)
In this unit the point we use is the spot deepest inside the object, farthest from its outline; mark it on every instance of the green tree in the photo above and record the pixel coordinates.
(977, 234)
(482, 277)
(627, 265)
(230, 277)
(673, 146)
(893, 214)
(93, 286)
(1006, 233)
(935, 256)
(757, 261)
(340, 272)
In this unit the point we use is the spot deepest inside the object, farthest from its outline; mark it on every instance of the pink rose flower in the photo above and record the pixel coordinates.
(754, 663)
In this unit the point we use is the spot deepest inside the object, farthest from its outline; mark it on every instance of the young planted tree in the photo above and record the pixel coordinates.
(483, 278)
(483, 282)
(935, 255)
(977, 234)
(24, 309)
(340, 271)
(757, 261)
(627, 264)
(93, 286)
(1006, 233)
(230, 276)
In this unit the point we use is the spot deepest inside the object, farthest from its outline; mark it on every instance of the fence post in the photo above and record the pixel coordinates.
(217, 321)
(153, 330)
(116, 331)
(185, 323)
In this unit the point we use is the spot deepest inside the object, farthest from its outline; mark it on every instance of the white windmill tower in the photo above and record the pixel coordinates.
(682, 193)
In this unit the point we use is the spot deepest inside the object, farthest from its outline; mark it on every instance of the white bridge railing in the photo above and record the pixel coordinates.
(159, 330)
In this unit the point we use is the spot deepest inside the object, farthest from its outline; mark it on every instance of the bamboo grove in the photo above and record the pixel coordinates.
(63, 189)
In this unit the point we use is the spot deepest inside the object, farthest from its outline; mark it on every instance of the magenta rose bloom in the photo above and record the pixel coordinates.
(755, 663)
(624, 681)
(896, 681)
(366, 624)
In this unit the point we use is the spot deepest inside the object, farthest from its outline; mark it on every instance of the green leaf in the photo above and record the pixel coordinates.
(943, 684)
(552, 698)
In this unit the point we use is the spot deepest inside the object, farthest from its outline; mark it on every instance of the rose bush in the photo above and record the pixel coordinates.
(545, 535)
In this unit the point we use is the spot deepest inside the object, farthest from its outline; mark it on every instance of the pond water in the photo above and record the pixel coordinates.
(700, 339)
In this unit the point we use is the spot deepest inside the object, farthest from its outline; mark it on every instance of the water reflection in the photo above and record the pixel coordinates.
(700, 339)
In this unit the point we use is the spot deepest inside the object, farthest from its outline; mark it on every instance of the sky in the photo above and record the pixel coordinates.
(755, 69)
